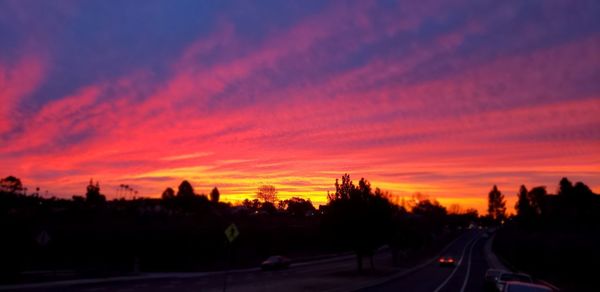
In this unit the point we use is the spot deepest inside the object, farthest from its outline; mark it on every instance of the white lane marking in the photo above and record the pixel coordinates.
(457, 266)
(464, 285)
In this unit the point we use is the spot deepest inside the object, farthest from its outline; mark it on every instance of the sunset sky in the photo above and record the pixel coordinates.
(445, 98)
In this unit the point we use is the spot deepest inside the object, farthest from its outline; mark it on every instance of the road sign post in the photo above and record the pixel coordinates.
(231, 233)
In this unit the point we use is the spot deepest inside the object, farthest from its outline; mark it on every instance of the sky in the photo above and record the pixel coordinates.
(444, 98)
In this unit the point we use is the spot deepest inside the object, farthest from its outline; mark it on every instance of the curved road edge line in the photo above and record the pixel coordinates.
(402, 273)
(466, 281)
(468, 246)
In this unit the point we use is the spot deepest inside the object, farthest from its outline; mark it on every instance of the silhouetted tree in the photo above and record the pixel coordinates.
(343, 190)
(565, 187)
(11, 184)
(79, 200)
(93, 195)
(454, 209)
(282, 205)
(214, 195)
(536, 197)
(580, 189)
(168, 194)
(298, 206)
(185, 190)
(267, 193)
(433, 215)
(252, 206)
(268, 208)
(414, 200)
(496, 204)
(472, 214)
(358, 217)
(429, 209)
(524, 210)
(587, 204)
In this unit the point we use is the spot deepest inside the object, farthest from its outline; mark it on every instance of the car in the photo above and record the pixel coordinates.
(511, 277)
(275, 263)
(491, 277)
(447, 261)
(514, 286)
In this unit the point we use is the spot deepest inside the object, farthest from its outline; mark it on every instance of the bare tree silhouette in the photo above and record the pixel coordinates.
(267, 193)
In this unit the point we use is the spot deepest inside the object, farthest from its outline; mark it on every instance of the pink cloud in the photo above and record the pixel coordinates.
(17, 81)
(375, 119)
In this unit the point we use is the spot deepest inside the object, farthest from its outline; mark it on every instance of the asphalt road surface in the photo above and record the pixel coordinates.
(467, 275)
(337, 274)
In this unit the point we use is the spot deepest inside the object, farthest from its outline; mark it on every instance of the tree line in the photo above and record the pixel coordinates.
(183, 230)
(551, 235)
(572, 204)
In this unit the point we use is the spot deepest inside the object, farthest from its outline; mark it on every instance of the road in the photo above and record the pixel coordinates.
(337, 274)
(466, 276)
(318, 275)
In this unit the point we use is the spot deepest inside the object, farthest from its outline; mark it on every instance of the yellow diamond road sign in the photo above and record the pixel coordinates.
(43, 238)
(232, 232)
